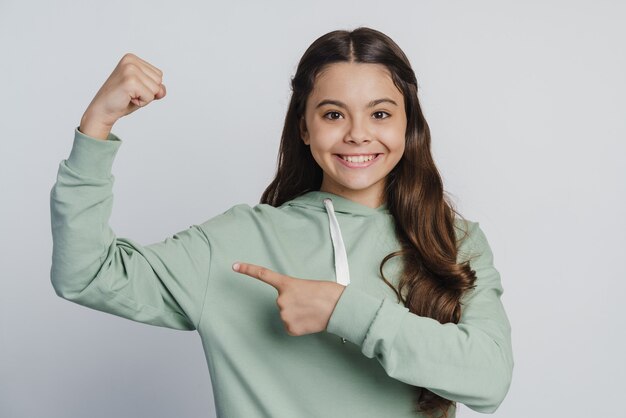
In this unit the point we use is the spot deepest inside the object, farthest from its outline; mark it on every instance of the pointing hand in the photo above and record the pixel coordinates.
(305, 305)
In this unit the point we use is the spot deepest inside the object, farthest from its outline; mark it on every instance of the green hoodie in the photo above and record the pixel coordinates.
(373, 352)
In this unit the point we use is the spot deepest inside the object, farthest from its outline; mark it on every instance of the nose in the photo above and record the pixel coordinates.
(358, 132)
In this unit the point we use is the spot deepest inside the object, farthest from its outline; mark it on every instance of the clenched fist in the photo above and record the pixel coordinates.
(133, 84)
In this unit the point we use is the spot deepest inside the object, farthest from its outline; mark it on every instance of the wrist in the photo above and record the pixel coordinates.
(94, 127)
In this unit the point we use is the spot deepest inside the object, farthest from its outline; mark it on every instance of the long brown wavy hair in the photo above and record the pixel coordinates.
(432, 283)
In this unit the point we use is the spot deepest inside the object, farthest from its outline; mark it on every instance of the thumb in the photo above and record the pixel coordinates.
(162, 92)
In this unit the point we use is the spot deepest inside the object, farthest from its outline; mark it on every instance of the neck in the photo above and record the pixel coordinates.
(369, 198)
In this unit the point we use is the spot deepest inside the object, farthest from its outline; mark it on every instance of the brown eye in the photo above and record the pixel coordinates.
(381, 112)
(332, 113)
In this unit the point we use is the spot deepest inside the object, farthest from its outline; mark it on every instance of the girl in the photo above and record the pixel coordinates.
(350, 290)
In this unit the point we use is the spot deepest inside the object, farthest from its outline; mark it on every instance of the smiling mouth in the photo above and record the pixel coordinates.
(361, 158)
(357, 161)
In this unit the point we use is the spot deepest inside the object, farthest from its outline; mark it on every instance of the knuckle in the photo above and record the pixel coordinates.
(129, 56)
(129, 70)
(262, 273)
(131, 83)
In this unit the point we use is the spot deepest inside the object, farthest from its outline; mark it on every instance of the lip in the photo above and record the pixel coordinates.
(364, 164)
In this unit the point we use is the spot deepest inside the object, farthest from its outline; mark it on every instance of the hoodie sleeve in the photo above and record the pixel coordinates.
(470, 362)
(162, 284)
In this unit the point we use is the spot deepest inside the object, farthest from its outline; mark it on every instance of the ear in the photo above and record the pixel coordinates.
(304, 134)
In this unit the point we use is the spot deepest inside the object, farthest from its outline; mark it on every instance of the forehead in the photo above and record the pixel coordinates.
(354, 81)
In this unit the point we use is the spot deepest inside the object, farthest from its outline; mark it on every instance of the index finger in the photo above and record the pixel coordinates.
(262, 273)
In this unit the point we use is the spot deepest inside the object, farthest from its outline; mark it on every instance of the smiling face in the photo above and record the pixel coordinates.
(355, 124)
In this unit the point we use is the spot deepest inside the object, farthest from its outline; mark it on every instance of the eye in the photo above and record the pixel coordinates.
(381, 112)
(331, 113)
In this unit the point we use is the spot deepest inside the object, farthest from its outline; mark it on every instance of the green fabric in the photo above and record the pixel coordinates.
(257, 370)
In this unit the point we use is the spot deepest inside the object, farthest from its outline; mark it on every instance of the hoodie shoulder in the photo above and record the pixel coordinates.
(239, 217)
(466, 232)
(463, 227)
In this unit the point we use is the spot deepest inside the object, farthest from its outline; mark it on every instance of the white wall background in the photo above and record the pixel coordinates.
(527, 107)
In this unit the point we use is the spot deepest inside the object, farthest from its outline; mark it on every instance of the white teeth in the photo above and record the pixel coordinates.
(359, 159)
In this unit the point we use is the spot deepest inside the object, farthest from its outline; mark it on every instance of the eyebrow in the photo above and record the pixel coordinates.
(341, 104)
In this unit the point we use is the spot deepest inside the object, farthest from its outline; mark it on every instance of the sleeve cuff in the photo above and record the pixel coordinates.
(91, 156)
(353, 314)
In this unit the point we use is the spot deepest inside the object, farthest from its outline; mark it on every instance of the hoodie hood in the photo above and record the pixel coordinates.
(331, 203)
(315, 200)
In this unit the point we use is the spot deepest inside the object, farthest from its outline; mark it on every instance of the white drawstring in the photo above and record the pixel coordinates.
(342, 272)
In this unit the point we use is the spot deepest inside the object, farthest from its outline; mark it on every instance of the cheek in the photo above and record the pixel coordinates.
(400, 152)
(400, 136)
(393, 139)
(401, 145)
(324, 138)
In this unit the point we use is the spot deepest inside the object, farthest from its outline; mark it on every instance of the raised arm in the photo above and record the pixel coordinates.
(470, 362)
(160, 284)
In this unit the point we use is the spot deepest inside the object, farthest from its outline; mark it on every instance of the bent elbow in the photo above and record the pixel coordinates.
(498, 389)
(67, 285)
(62, 290)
